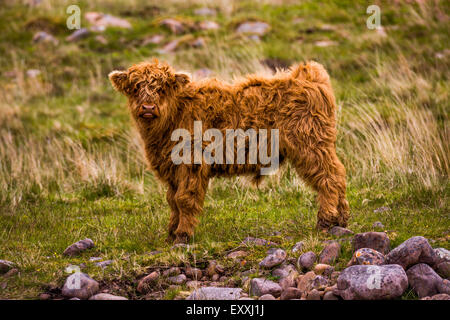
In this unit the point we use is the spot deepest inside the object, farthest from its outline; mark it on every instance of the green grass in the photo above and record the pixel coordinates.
(72, 167)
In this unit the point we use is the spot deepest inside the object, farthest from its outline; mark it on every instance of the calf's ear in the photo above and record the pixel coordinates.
(182, 79)
(119, 81)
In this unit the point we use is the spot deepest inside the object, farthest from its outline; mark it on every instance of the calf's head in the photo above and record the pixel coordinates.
(150, 88)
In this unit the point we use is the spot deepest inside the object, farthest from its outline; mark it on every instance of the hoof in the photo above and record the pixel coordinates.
(181, 239)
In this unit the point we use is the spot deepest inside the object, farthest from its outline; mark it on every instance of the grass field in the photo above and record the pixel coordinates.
(71, 164)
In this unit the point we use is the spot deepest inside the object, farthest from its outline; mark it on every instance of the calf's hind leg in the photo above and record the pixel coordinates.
(175, 213)
(322, 170)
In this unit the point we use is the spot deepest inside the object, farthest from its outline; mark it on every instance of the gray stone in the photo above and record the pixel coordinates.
(367, 256)
(258, 28)
(443, 269)
(101, 21)
(339, 231)
(78, 247)
(298, 247)
(330, 296)
(443, 254)
(173, 271)
(205, 11)
(313, 295)
(208, 25)
(291, 293)
(103, 264)
(283, 271)
(79, 285)
(44, 37)
(178, 280)
(261, 286)
(378, 225)
(193, 273)
(375, 240)
(362, 282)
(214, 293)
(382, 209)
(275, 258)
(173, 25)
(258, 242)
(440, 296)
(307, 260)
(413, 251)
(106, 296)
(78, 35)
(147, 282)
(330, 253)
(425, 281)
(267, 297)
(5, 266)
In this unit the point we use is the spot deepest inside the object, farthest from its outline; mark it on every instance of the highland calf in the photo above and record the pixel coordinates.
(298, 103)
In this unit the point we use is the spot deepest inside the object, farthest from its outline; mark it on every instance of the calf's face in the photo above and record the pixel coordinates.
(149, 88)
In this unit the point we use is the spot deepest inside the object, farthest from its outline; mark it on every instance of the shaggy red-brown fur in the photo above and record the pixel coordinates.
(298, 102)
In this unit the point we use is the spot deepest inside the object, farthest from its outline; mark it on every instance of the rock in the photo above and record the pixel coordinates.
(214, 293)
(213, 268)
(283, 271)
(339, 231)
(313, 295)
(291, 293)
(304, 283)
(258, 242)
(382, 209)
(173, 25)
(174, 271)
(93, 259)
(237, 254)
(375, 240)
(154, 39)
(367, 256)
(323, 269)
(5, 266)
(104, 264)
(11, 273)
(215, 277)
(101, 39)
(330, 296)
(288, 281)
(33, 73)
(443, 269)
(79, 285)
(78, 247)
(208, 25)
(325, 43)
(193, 273)
(198, 43)
(44, 296)
(330, 253)
(74, 299)
(44, 37)
(440, 296)
(443, 254)
(273, 259)
(102, 21)
(258, 28)
(170, 47)
(362, 282)
(78, 35)
(378, 225)
(261, 286)
(205, 12)
(307, 260)
(147, 282)
(425, 281)
(106, 296)
(298, 247)
(319, 283)
(178, 280)
(413, 251)
(267, 297)
(334, 276)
